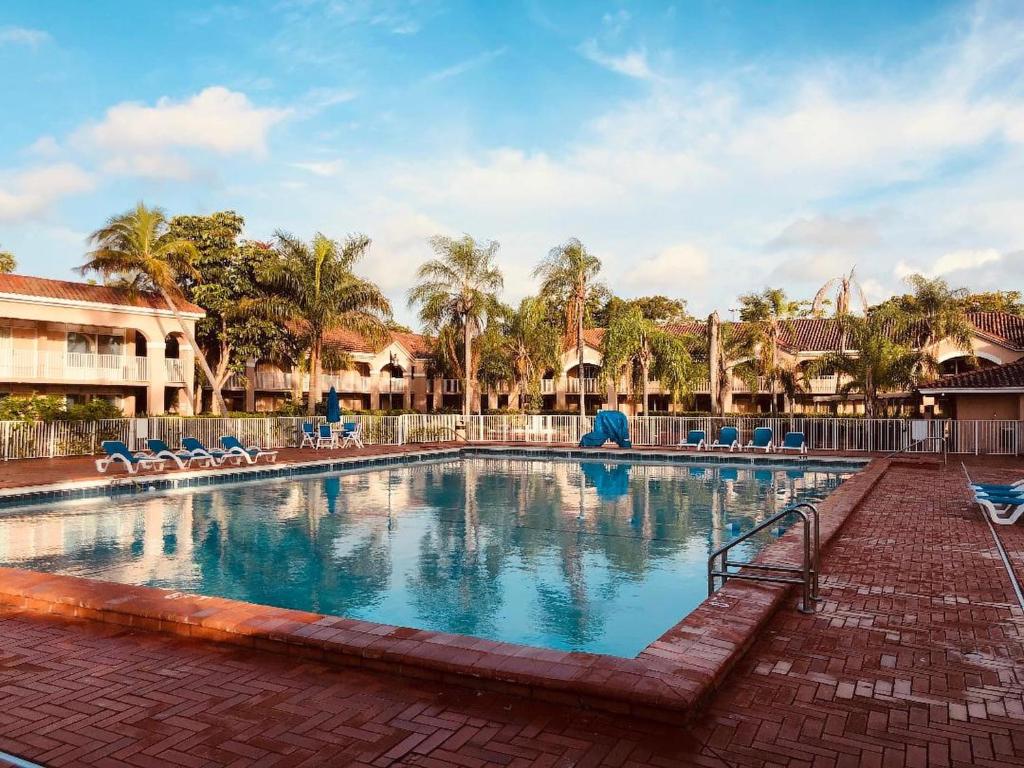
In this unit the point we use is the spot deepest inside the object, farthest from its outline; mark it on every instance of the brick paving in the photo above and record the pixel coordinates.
(915, 658)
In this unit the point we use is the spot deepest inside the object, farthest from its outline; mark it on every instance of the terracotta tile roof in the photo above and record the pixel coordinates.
(1000, 325)
(25, 285)
(1009, 375)
(350, 341)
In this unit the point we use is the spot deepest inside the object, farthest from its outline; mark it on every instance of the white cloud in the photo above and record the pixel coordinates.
(954, 261)
(468, 64)
(631, 64)
(678, 265)
(30, 192)
(215, 119)
(44, 146)
(150, 165)
(324, 168)
(825, 232)
(32, 38)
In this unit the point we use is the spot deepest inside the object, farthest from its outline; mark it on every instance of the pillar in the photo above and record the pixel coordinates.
(250, 385)
(156, 362)
(438, 401)
(561, 386)
(375, 392)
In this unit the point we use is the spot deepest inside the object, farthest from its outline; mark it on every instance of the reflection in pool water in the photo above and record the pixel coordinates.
(587, 556)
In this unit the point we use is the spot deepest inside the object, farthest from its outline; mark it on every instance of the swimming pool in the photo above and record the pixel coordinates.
(574, 555)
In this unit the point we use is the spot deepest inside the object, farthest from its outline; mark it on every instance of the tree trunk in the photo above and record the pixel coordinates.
(644, 386)
(219, 406)
(714, 352)
(314, 378)
(467, 357)
(579, 352)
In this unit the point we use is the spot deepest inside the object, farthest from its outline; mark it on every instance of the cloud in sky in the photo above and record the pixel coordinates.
(27, 193)
(631, 63)
(32, 38)
(466, 65)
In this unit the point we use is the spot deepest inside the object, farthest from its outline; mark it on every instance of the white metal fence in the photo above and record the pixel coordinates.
(20, 439)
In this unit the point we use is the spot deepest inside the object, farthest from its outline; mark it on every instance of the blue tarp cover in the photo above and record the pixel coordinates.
(608, 425)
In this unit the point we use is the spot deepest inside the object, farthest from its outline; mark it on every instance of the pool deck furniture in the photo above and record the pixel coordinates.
(325, 437)
(762, 440)
(728, 438)
(696, 439)
(352, 435)
(250, 454)
(308, 435)
(118, 453)
(219, 457)
(793, 441)
(1002, 510)
(160, 450)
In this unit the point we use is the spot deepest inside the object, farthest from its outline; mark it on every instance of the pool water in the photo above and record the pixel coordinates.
(569, 555)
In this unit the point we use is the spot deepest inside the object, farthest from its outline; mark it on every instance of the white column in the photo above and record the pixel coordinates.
(157, 363)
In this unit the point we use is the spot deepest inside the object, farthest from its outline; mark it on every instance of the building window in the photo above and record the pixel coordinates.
(75, 398)
(110, 345)
(80, 344)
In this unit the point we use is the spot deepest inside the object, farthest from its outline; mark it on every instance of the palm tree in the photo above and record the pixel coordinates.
(312, 286)
(7, 262)
(459, 288)
(642, 349)
(881, 363)
(532, 345)
(768, 316)
(137, 248)
(847, 290)
(568, 279)
(939, 311)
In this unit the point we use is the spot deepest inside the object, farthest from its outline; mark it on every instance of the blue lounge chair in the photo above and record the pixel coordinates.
(250, 454)
(308, 435)
(352, 434)
(728, 438)
(695, 438)
(1017, 487)
(1002, 510)
(762, 440)
(160, 450)
(793, 441)
(196, 448)
(118, 453)
(325, 437)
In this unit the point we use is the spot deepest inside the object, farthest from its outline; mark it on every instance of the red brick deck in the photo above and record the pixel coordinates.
(915, 659)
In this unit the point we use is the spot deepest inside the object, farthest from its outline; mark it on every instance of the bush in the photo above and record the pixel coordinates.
(51, 408)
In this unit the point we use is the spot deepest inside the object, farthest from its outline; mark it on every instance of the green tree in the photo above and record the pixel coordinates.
(659, 309)
(932, 312)
(881, 363)
(7, 262)
(569, 280)
(312, 287)
(995, 301)
(768, 316)
(638, 347)
(528, 346)
(229, 269)
(458, 290)
(847, 292)
(138, 249)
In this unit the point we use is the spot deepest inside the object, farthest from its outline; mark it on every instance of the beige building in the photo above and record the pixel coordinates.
(83, 341)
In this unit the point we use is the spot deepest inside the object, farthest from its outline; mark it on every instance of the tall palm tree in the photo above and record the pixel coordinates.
(137, 248)
(313, 287)
(7, 262)
(569, 279)
(459, 288)
(881, 362)
(641, 349)
(939, 311)
(769, 316)
(847, 290)
(532, 345)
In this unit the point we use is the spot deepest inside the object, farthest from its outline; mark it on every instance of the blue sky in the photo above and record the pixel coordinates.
(701, 149)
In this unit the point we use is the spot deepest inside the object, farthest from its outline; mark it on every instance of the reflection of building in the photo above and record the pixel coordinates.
(86, 341)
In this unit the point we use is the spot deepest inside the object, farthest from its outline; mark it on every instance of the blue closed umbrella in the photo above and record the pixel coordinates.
(333, 407)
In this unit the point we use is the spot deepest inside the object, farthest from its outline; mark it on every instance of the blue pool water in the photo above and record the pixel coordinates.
(569, 555)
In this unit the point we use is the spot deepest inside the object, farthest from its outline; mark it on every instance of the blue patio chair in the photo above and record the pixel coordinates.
(196, 448)
(118, 453)
(793, 441)
(160, 450)
(308, 435)
(695, 438)
(762, 440)
(352, 434)
(325, 437)
(250, 454)
(728, 438)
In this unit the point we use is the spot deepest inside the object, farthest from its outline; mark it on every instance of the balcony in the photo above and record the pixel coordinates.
(73, 367)
(175, 371)
(452, 387)
(392, 385)
(590, 386)
(547, 386)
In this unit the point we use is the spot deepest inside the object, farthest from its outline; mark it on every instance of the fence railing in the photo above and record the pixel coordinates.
(19, 439)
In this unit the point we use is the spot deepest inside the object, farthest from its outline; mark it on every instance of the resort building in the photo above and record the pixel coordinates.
(84, 341)
(995, 392)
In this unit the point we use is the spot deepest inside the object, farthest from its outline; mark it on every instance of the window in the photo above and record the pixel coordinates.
(80, 343)
(75, 398)
(110, 345)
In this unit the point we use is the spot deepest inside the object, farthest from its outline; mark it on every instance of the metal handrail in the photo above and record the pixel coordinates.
(941, 438)
(808, 571)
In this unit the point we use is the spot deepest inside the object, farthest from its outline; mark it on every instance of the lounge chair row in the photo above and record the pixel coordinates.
(728, 438)
(1004, 504)
(324, 436)
(192, 453)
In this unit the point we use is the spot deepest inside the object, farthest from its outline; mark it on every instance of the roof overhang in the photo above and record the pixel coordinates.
(130, 309)
(972, 391)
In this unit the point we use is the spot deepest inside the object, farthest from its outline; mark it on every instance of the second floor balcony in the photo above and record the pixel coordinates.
(18, 365)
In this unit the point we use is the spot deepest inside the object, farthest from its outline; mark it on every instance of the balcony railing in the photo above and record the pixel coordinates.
(547, 386)
(30, 365)
(393, 385)
(590, 386)
(175, 371)
(452, 386)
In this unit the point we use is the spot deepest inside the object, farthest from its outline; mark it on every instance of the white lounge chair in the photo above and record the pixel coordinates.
(118, 453)
(762, 440)
(728, 438)
(793, 441)
(160, 450)
(250, 454)
(696, 439)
